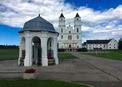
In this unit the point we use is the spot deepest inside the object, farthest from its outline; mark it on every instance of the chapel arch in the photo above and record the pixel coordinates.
(50, 50)
(36, 50)
(23, 42)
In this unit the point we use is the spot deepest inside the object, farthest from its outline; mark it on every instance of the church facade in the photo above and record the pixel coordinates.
(70, 36)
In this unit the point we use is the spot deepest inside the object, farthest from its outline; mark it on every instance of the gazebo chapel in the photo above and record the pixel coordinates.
(38, 42)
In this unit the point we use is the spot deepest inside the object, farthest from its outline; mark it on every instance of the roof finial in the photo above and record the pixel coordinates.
(39, 14)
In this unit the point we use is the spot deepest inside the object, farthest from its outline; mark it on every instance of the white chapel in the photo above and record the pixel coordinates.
(38, 43)
(70, 36)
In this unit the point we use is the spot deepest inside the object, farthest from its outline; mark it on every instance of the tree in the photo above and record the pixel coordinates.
(120, 44)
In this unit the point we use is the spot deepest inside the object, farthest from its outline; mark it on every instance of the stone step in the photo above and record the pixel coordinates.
(51, 62)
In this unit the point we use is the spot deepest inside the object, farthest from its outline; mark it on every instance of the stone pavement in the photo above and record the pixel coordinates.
(94, 71)
(110, 68)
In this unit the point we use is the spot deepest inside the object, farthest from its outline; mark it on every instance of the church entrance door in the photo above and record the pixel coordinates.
(70, 46)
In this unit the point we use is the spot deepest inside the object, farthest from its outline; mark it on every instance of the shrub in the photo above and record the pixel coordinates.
(82, 50)
(61, 50)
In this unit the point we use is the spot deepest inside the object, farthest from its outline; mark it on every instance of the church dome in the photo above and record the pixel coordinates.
(38, 24)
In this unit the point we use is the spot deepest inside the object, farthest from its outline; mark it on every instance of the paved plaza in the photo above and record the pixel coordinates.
(98, 72)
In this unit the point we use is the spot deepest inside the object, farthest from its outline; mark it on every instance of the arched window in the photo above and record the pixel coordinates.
(77, 36)
(61, 19)
(69, 31)
(69, 37)
(77, 30)
(61, 36)
(61, 30)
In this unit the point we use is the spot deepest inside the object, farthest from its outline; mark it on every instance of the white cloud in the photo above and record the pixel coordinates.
(95, 24)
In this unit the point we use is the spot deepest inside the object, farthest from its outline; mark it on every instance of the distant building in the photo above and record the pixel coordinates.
(70, 37)
(102, 44)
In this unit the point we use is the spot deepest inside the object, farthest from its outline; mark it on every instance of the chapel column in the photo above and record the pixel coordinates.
(20, 51)
(55, 51)
(28, 52)
(44, 51)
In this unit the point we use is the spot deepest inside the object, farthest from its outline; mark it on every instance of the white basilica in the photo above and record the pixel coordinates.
(69, 36)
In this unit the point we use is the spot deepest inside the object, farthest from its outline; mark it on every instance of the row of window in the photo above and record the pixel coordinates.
(100, 45)
(69, 31)
(69, 37)
(110, 44)
(96, 45)
(111, 48)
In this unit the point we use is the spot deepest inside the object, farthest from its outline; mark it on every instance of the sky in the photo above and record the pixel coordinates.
(100, 19)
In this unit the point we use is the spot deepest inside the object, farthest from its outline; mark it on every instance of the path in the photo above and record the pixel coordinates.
(86, 69)
(109, 68)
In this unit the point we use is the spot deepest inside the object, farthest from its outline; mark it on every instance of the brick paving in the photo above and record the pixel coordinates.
(90, 70)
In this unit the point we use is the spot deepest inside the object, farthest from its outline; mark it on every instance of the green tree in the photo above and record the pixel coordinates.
(120, 44)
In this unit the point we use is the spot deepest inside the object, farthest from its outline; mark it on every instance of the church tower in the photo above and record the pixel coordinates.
(77, 23)
(77, 30)
(61, 27)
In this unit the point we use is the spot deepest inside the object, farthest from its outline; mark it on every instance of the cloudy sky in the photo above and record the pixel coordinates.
(101, 19)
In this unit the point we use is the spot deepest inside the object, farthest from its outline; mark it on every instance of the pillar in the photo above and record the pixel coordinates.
(28, 52)
(44, 51)
(20, 51)
(55, 51)
(35, 53)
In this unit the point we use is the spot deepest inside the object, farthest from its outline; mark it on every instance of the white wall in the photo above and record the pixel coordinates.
(111, 45)
(92, 46)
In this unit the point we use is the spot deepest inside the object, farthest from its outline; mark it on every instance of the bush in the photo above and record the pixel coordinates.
(61, 50)
(82, 50)
(9, 47)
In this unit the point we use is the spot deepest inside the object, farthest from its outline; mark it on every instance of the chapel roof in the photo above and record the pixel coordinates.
(38, 24)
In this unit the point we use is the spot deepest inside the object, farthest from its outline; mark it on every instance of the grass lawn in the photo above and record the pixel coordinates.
(37, 83)
(8, 54)
(11, 54)
(66, 56)
(112, 54)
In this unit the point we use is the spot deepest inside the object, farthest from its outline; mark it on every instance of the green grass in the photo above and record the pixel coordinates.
(11, 54)
(112, 54)
(66, 56)
(8, 54)
(37, 83)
